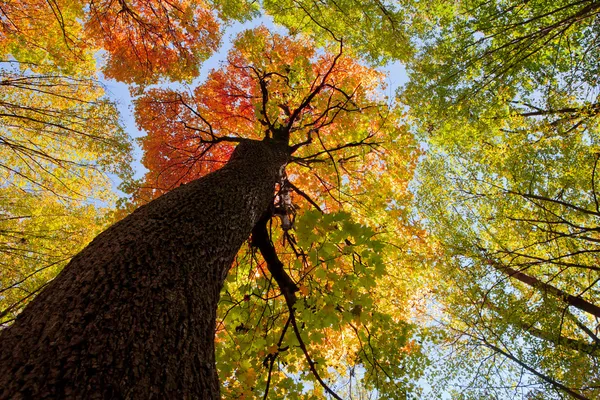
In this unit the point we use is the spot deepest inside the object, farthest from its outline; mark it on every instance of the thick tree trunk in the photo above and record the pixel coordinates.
(133, 315)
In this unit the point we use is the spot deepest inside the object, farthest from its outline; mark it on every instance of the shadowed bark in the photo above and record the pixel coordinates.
(133, 315)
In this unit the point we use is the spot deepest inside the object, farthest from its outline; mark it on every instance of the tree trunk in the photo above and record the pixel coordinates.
(133, 315)
(532, 281)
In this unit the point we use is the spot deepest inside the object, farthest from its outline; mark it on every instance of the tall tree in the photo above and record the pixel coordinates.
(53, 44)
(98, 338)
(346, 138)
(317, 114)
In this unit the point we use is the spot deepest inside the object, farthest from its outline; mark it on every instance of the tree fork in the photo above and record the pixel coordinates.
(133, 315)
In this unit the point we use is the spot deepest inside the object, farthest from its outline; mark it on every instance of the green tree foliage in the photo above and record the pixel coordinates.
(376, 30)
(505, 97)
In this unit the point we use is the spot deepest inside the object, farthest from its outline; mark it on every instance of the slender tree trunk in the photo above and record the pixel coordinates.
(532, 281)
(133, 315)
(553, 337)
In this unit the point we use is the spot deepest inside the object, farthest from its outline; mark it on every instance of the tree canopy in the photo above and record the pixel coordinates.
(447, 235)
(340, 253)
(504, 96)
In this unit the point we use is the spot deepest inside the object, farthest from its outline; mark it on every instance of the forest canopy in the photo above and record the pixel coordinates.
(438, 240)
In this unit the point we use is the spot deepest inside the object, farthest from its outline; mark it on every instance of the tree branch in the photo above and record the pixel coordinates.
(261, 239)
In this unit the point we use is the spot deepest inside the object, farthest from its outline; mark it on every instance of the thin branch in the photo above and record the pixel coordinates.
(536, 373)
(273, 357)
(306, 197)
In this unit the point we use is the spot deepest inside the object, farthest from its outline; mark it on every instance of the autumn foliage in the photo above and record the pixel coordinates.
(268, 81)
(146, 40)
(344, 137)
(494, 265)
(141, 41)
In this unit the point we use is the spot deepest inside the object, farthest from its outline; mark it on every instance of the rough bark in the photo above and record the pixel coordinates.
(133, 315)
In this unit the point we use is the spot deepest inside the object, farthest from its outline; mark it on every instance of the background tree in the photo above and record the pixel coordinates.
(504, 96)
(378, 31)
(59, 139)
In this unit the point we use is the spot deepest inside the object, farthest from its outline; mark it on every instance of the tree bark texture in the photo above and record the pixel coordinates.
(133, 315)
